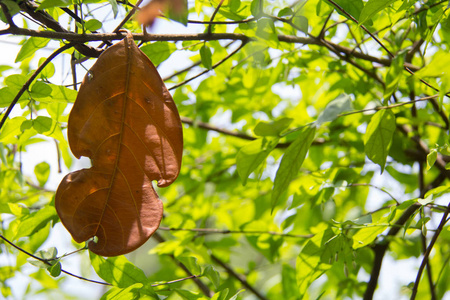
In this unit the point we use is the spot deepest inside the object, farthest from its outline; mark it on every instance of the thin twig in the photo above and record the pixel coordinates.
(31, 79)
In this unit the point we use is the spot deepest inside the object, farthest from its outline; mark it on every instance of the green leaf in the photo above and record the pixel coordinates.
(431, 158)
(378, 137)
(372, 7)
(191, 263)
(252, 155)
(30, 47)
(159, 51)
(55, 269)
(35, 221)
(273, 128)
(42, 124)
(353, 7)
(287, 11)
(206, 57)
(291, 162)
(222, 295)
(288, 281)
(117, 270)
(42, 171)
(333, 109)
(301, 22)
(48, 254)
(92, 25)
(234, 297)
(40, 90)
(255, 8)
(310, 265)
(114, 7)
(129, 293)
(61, 94)
(212, 275)
(55, 3)
(13, 9)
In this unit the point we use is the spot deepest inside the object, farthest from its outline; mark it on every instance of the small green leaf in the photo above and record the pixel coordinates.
(287, 11)
(252, 155)
(378, 137)
(40, 90)
(61, 94)
(114, 7)
(431, 158)
(372, 7)
(30, 47)
(159, 51)
(222, 295)
(234, 297)
(273, 128)
(42, 124)
(212, 275)
(35, 221)
(55, 269)
(353, 7)
(301, 22)
(92, 25)
(13, 9)
(117, 270)
(337, 106)
(131, 292)
(48, 254)
(255, 8)
(206, 57)
(191, 263)
(291, 162)
(42, 171)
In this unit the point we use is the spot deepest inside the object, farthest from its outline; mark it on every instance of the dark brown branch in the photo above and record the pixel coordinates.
(31, 9)
(70, 36)
(31, 79)
(428, 251)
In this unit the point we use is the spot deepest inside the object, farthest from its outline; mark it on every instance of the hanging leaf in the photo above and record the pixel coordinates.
(125, 120)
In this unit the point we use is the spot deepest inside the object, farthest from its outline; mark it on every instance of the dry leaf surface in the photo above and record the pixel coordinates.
(125, 120)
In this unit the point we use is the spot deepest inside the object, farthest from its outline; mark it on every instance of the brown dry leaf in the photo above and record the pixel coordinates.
(125, 120)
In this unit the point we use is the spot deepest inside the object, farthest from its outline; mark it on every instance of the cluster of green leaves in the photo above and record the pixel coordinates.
(275, 186)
